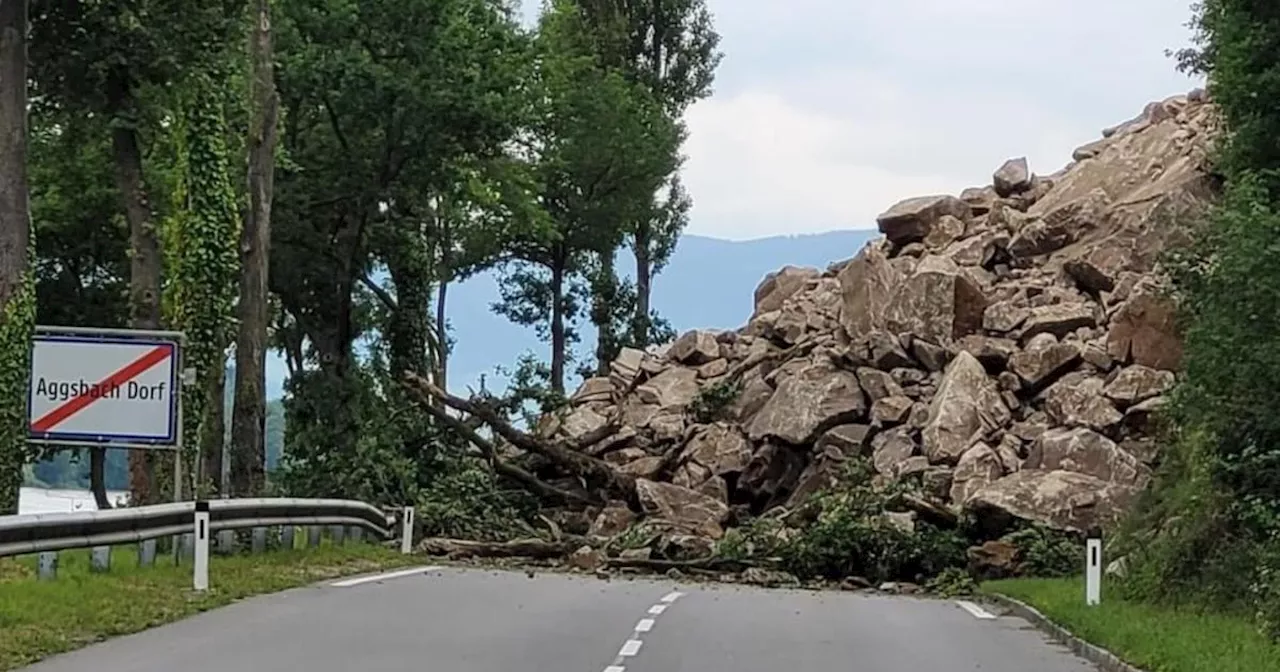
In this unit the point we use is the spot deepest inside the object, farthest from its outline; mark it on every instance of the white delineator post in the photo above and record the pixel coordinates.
(406, 531)
(200, 573)
(1093, 568)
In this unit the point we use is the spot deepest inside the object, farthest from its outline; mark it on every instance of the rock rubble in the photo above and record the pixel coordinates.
(1003, 347)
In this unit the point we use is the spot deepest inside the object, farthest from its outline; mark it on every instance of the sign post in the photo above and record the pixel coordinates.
(1093, 568)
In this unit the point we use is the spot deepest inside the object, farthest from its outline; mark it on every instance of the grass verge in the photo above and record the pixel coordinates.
(42, 618)
(1156, 639)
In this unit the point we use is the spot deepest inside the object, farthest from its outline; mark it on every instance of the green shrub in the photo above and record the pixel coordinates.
(713, 401)
(1046, 553)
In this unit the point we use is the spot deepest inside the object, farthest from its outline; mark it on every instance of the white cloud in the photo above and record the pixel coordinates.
(829, 111)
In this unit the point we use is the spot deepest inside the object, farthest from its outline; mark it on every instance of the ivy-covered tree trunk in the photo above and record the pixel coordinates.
(17, 286)
(248, 419)
(145, 264)
(200, 247)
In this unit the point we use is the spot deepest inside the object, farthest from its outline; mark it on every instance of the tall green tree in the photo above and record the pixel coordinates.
(671, 48)
(119, 61)
(597, 148)
(381, 98)
(17, 286)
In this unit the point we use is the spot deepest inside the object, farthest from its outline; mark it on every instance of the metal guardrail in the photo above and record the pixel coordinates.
(52, 532)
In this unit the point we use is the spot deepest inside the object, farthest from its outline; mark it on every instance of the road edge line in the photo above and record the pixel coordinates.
(395, 574)
(1102, 658)
(975, 610)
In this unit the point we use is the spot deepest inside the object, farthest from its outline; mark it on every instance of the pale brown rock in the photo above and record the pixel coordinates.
(592, 390)
(1136, 384)
(966, 408)
(891, 410)
(848, 439)
(1004, 316)
(866, 287)
(912, 219)
(695, 347)
(937, 303)
(1063, 500)
(780, 285)
(1077, 401)
(585, 558)
(877, 384)
(891, 447)
(675, 387)
(992, 352)
(1013, 177)
(1144, 331)
(682, 507)
(945, 230)
(1059, 319)
(807, 404)
(612, 520)
(721, 448)
(1043, 360)
(978, 467)
(1085, 452)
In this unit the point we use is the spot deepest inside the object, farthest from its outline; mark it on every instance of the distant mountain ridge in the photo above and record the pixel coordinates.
(708, 283)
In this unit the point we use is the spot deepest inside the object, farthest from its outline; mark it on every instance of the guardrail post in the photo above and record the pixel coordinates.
(147, 553)
(200, 578)
(187, 546)
(338, 534)
(47, 567)
(226, 542)
(313, 536)
(406, 531)
(258, 540)
(1093, 568)
(287, 537)
(100, 559)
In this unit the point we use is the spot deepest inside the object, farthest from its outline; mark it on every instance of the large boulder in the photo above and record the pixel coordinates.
(913, 219)
(684, 508)
(966, 408)
(814, 399)
(938, 303)
(866, 286)
(1063, 500)
(1087, 452)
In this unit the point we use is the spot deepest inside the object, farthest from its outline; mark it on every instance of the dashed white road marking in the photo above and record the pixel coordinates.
(347, 583)
(975, 610)
(632, 646)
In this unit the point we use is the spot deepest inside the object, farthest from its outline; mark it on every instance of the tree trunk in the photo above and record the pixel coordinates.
(603, 297)
(15, 238)
(248, 417)
(212, 431)
(144, 267)
(442, 365)
(559, 341)
(98, 478)
(644, 284)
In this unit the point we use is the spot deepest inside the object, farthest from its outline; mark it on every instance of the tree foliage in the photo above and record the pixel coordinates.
(1210, 531)
(419, 143)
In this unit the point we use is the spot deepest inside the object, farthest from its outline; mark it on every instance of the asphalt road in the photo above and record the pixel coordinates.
(473, 620)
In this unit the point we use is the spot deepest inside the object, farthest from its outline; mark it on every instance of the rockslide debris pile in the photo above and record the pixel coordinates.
(1006, 347)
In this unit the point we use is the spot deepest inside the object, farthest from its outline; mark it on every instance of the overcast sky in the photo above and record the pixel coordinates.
(826, 112)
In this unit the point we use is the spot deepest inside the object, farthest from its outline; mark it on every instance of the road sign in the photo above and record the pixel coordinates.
(104, 387)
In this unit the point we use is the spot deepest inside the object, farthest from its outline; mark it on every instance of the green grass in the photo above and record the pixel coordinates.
(79, 607)
(1156, 639)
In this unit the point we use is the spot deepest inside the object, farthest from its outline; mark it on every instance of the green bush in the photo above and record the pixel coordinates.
(1046, 553)
(713, 401)
(851, 536)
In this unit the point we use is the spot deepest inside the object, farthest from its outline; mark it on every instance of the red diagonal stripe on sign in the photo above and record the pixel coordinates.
(76, 404)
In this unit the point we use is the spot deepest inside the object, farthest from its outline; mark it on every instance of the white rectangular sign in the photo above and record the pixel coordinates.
(103, 389)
